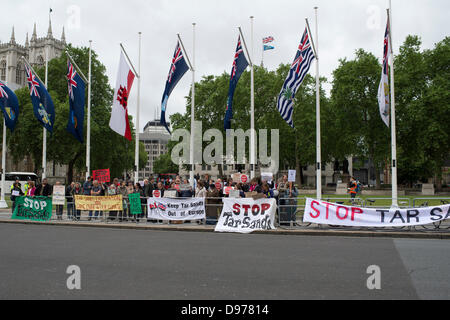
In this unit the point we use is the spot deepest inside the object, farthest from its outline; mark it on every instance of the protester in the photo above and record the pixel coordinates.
(77, 190)
(112, 191)
(44, 189)
(122, 190)
(95, 192)
(69, 197)
(267, 191)
(200, 192)
(87, 186)
(16, 192)
(148, 188)
(31, 190)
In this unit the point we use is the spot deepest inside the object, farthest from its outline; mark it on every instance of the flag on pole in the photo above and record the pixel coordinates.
(383, 89)
(9, 105)
(266, 47)
(299, 69)
(178, 68)
(76, 88)
(119, 113)
(268, 39)
(43, 107)
(240, 63)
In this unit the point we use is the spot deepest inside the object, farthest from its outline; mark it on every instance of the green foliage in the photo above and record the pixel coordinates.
(164, 165)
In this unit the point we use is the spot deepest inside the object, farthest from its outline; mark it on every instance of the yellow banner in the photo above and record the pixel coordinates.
(88, 203)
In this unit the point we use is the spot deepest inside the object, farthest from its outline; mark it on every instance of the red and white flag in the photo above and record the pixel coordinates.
(119, 114)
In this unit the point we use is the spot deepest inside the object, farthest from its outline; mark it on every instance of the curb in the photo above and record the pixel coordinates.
(288, 232)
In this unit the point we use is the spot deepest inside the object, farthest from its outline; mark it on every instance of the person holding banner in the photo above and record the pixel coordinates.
(122, 189)
(95, 192)
(31, 190)
(15, 193)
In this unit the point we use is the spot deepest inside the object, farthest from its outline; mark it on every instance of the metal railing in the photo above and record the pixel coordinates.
(289, 213)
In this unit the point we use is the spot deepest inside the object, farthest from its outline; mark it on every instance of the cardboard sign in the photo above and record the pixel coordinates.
(227, 190)
(170, 194)
(59, 195)
(291, 176)
(101, 176)
(267, 177)
(185, 187)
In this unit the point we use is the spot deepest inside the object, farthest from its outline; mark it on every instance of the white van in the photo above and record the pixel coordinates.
(23, 178)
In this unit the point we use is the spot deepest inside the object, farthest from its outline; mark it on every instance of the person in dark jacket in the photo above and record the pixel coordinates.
(44, 189)
(16, 192)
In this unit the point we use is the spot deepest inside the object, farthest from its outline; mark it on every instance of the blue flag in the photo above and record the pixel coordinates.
(9, 105)
(44, 110)
(177, 70)
(240, 63)
(76, 87)
(267, 47)
(297, 73)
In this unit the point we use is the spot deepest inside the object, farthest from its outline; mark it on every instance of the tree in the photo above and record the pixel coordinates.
(108, 149)
(164, 165)
(211, 97)
(360, 130)
(423, 110)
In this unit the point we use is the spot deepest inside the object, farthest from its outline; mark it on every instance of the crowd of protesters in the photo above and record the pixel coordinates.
(208, 188)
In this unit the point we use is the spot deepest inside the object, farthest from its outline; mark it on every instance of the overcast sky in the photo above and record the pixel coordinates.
(344, 26)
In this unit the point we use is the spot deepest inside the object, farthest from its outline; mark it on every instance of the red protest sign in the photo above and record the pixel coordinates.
(244, 178)
(156, 194)
(101, 176)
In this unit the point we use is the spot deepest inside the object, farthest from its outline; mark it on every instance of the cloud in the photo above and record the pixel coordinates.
(344, 26)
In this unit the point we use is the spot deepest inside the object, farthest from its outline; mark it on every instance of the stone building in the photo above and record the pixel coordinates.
(12, 71)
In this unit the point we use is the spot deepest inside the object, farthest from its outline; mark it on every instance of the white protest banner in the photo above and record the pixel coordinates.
(176, 209)
(291, 175)
(321, 212)
(247, 215)
(59, 195)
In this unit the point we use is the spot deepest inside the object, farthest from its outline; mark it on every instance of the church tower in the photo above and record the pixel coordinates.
(12, 69)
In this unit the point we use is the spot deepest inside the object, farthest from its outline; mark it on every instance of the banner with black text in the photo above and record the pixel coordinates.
(321, 212)
(247, 215)
(176, 209)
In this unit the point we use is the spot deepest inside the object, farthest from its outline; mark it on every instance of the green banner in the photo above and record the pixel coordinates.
(33, 208)
(135, 203)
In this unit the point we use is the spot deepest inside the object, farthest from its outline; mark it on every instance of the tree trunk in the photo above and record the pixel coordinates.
(378, 176)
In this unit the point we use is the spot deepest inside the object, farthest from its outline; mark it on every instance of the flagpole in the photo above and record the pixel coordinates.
(3, 203)
(136, 156)
(393, 121)
(191, 158)
(252, 109)
(88, 142)
(318, 137)
(44, 142)
(262, 55)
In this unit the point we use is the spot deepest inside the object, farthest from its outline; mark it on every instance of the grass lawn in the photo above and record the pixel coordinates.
(379, 201)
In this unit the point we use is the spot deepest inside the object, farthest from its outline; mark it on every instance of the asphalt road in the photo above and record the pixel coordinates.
(131, 264)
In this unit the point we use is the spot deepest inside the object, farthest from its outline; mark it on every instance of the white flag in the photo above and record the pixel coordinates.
(383, 89)
(119, 113)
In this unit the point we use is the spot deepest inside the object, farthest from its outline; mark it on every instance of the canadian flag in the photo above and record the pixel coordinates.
(119, 114)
